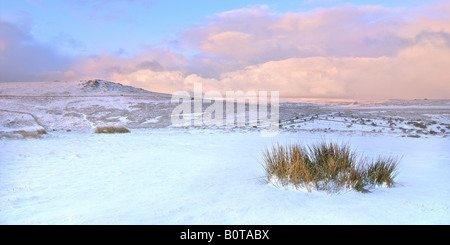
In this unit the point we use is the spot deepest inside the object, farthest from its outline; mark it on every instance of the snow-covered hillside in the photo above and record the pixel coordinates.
(85, 105)
(160, 174)
(80, 105)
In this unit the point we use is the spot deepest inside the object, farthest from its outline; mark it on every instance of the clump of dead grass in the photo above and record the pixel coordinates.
(23, 134)
(327, 166)
(111, 130)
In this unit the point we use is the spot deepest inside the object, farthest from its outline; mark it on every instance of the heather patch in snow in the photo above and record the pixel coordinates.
(111, 130)
(327, 166)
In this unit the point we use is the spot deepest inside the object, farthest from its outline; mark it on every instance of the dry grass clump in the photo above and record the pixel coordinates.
(111, 130)
(329, 167)
(22, 134)
(31, 134)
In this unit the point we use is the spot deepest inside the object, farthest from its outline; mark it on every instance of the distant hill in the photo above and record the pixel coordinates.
(67, 88)
(30, 107)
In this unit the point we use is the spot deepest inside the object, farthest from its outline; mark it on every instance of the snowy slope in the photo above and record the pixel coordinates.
(65, 88)
(79, 105)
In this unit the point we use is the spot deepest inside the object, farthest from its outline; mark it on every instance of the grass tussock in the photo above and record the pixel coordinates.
(111, 130)
(22, 134)
(327, 166)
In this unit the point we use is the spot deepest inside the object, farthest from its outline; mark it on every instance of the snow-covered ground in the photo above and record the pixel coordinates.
(158, 174)
(179, 176)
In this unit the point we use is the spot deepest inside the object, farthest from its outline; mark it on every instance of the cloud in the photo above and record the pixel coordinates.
(24, 59)
(257, 35)
(106, 10)
(344, 51)
(420, 71)
(417, 72)
(239, 38)
(230, 43)
(109, 66)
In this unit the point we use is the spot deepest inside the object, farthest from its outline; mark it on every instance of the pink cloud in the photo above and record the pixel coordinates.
(258, 35)
(230, 43)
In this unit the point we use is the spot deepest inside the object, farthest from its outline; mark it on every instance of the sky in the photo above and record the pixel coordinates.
(310, 48)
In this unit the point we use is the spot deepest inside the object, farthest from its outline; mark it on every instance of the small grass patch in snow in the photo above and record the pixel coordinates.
(327, 166)
(24, 134)
(111, 130)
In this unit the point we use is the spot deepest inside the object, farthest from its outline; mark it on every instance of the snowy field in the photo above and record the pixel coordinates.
(179, 176)
(158, 174)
